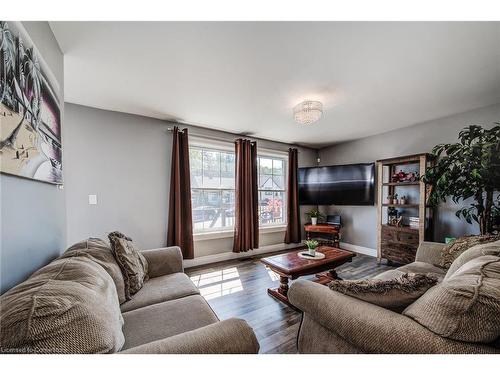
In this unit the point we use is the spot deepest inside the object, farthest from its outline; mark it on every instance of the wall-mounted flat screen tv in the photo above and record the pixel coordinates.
(348, 185)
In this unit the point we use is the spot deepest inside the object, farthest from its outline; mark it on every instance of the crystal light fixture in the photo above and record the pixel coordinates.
(307, 112)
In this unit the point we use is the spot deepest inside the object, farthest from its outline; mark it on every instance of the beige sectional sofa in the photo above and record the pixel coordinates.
(73, 305)
(336, 323)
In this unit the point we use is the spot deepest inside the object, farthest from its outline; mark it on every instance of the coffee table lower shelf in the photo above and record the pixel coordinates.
(281, 293)
(297, 267)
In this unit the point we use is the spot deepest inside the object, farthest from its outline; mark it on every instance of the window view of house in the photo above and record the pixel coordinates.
(212, 189)
(272, 198)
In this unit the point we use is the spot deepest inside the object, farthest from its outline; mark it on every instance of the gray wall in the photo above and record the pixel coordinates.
(360, 222)
(32, 212)
(125, 160)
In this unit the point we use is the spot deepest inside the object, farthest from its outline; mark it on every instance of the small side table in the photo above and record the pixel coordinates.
(332, 232)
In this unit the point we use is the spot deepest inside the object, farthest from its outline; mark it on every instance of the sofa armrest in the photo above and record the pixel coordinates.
(232, 336)
(163, 261)
(369, 327)
(429, 252)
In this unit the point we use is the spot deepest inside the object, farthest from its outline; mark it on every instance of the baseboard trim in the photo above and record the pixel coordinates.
(359, 249)
(221, 257)
(207, 259)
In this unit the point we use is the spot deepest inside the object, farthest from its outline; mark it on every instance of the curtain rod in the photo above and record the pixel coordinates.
(215, 138)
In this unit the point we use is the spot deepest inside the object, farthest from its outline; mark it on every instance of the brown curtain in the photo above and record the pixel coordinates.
(293, 228)
(246, 228)
(180, 224)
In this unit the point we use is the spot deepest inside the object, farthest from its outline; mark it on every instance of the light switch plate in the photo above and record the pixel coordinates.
(92, 199)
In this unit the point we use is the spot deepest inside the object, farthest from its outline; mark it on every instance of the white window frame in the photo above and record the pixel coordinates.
(272, 154)
(221, 147)
(228, 146)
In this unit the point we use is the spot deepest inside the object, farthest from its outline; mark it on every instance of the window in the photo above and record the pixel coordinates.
(212, 189)
(272, 197)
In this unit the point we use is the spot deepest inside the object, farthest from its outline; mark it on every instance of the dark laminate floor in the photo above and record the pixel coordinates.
(238, 288)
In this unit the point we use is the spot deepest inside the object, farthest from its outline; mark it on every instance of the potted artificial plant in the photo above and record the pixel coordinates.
(469, 171)
(311, 246)
(314, 215)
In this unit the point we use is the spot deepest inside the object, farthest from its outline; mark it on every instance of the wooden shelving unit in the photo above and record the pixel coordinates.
(399, 244)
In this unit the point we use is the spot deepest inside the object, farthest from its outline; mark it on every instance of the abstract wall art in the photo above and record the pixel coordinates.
(30, 109)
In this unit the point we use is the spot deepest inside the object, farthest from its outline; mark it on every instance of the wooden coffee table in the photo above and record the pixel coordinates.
(291, 266)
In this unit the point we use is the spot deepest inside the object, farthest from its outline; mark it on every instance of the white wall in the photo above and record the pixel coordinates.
(360, 221)
(125, 160)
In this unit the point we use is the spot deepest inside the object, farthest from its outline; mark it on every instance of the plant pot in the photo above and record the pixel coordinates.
(314, 220)
(312, 252)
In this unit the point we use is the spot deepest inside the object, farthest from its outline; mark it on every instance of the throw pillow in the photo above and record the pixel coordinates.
(132, 263)
(456, 247)
(395, 293)
(100, 252)
(491, 248)
(465, 306)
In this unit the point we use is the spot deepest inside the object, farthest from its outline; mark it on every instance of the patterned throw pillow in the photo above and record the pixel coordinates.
(452, 250)
(394, 294)
(132, 263)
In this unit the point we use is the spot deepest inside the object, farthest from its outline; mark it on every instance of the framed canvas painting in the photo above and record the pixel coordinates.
(30, 109)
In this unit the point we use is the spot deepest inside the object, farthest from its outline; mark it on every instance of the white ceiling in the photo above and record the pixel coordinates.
(246, 77)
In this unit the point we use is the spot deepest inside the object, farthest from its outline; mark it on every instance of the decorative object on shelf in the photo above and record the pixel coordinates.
(403, 177)
(414, 222)
(392, 216)
(311, 246)
(307, 112)
(314, 215)
(399, 222)
(469, 169)
(399, 234)
(30, 126)
(395, 199)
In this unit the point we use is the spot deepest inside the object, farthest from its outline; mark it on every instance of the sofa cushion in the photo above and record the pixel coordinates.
(491, 248)
(161, 289)
(132, 263)
(69, 306)
(100, 252)
(456, 247)
(396, 293)
(415, 267)
(166, 319)
(465, 306)
(422, 267)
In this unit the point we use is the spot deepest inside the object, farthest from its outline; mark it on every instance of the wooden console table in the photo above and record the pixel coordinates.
(330, 230)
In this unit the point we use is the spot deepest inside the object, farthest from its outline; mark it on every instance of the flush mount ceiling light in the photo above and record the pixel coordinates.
(307, 112)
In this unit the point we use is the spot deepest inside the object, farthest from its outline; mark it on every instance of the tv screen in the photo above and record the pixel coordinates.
(349, 185)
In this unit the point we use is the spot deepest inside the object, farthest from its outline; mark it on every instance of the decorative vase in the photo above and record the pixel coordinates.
(312, 252)
(314, 220)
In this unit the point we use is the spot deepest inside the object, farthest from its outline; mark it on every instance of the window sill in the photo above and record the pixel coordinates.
(213, 235)
(272, 229)
(201, 236)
